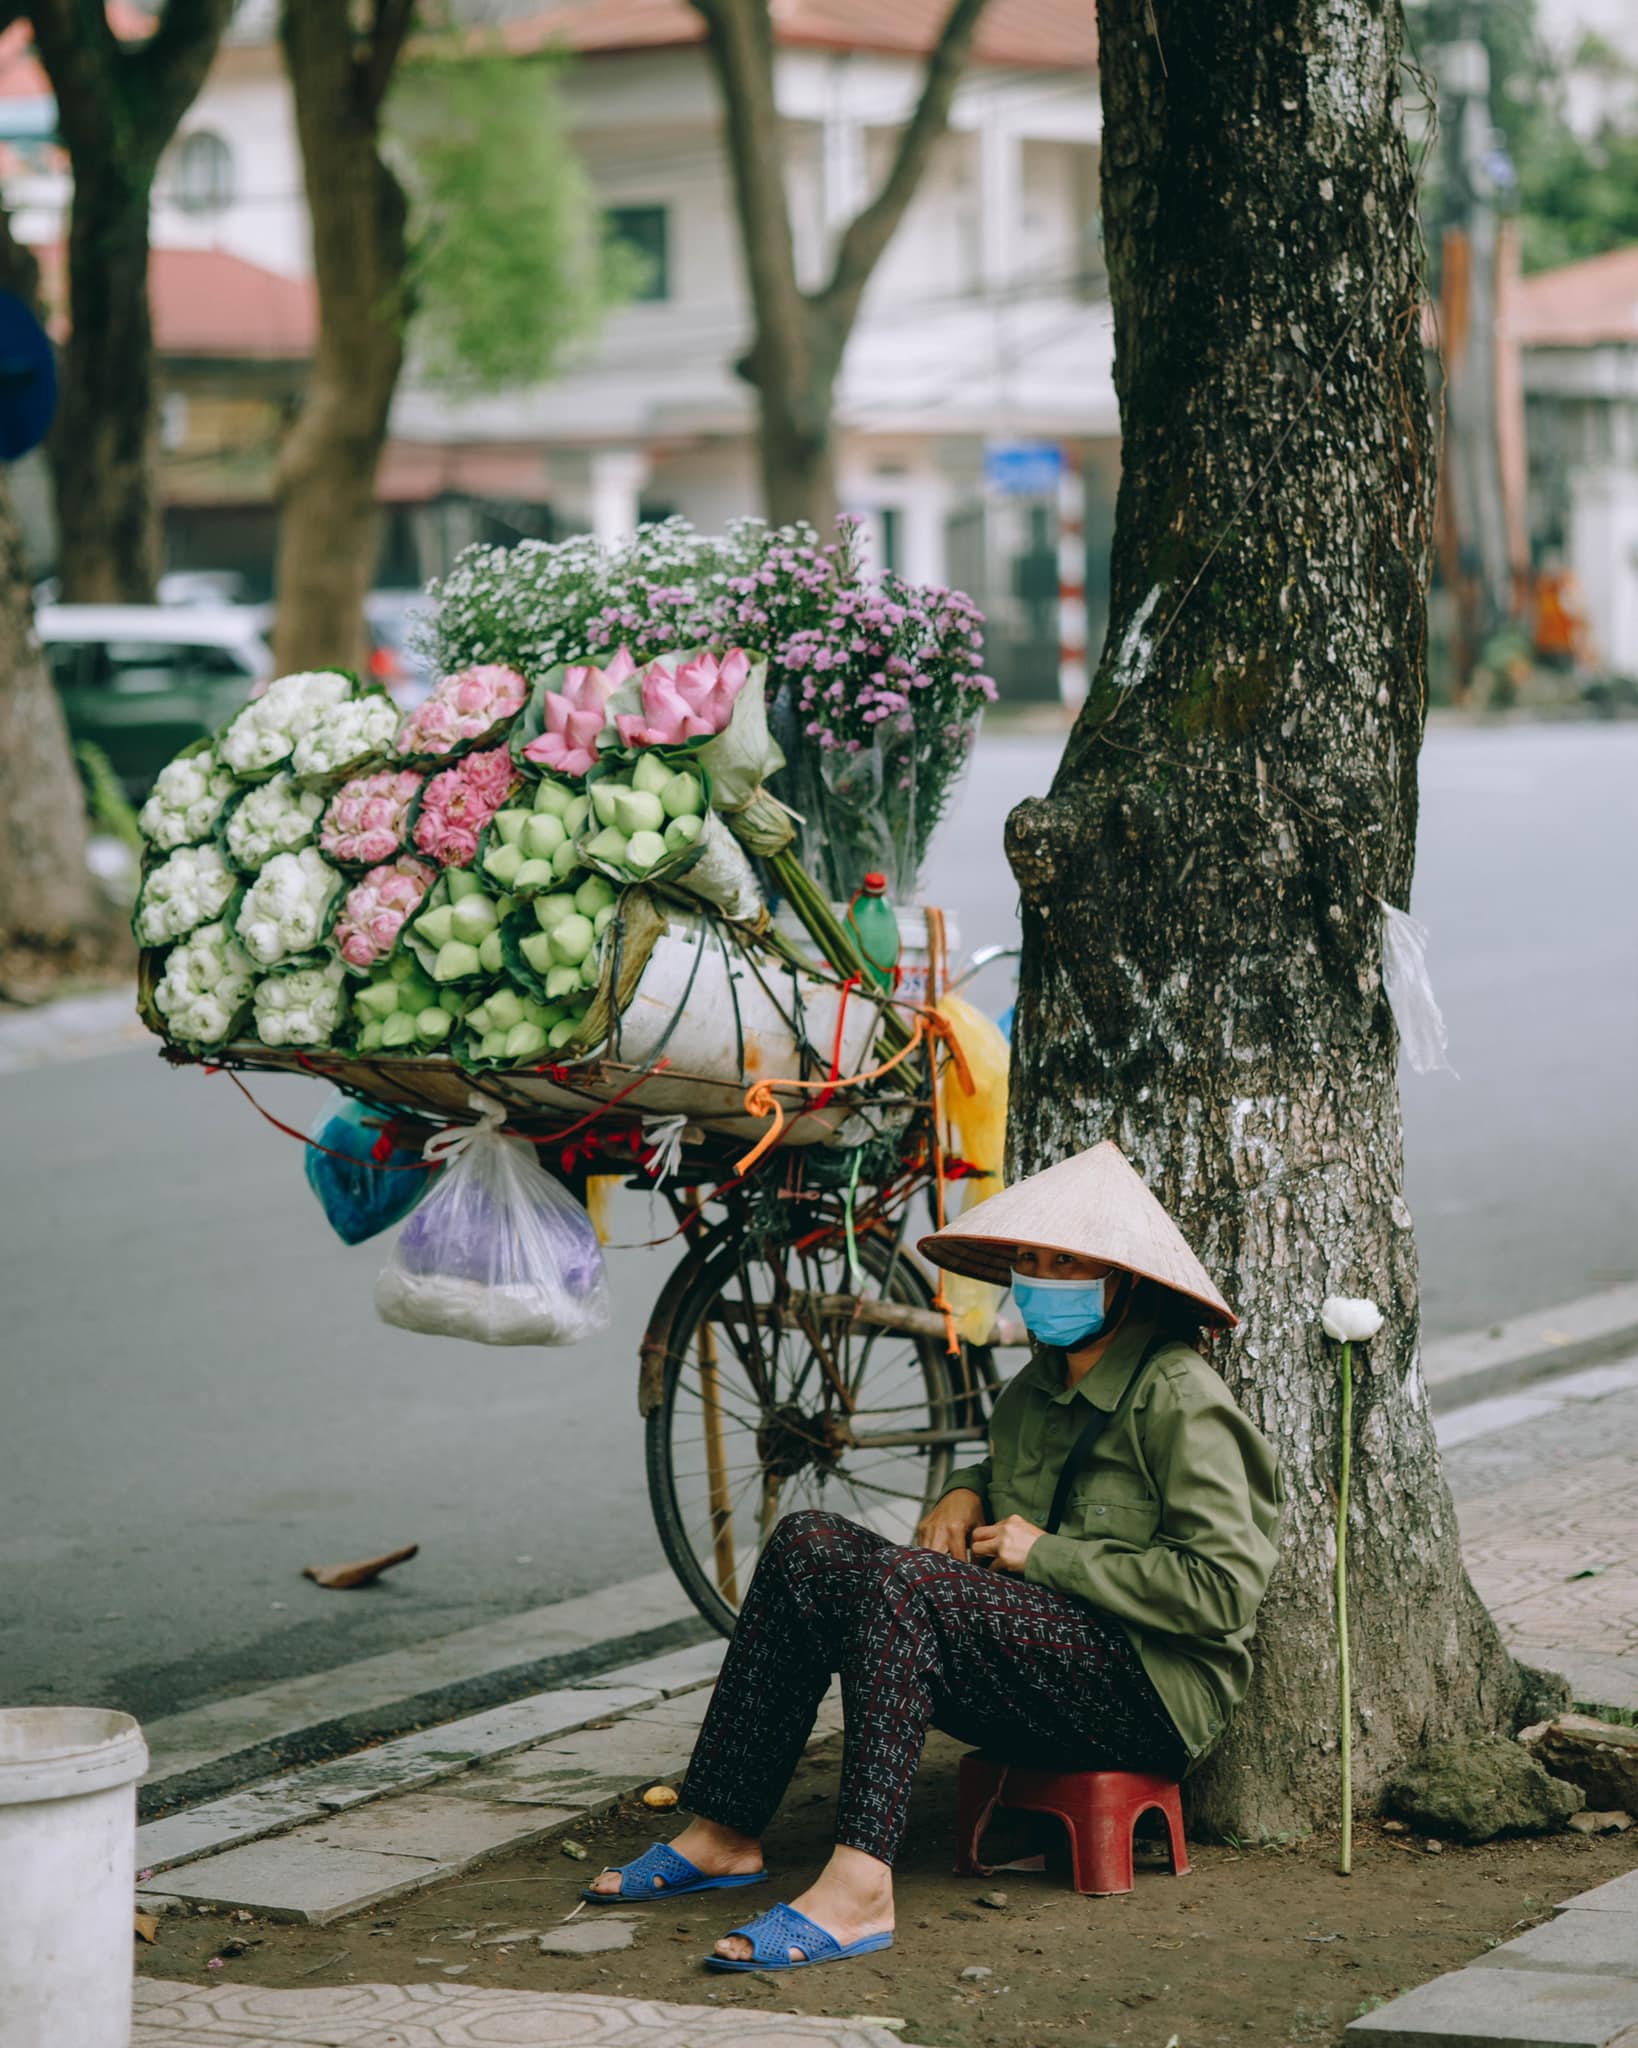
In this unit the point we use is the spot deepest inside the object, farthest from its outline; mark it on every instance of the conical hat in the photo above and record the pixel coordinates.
(1093, 1204)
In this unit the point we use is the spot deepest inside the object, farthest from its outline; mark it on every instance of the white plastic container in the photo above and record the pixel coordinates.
(68, 1779)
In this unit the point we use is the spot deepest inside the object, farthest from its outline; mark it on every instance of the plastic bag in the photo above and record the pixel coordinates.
(1422, 1031)
(723, 875)
(500, 1252)
(978, 1130)
(358, 1199)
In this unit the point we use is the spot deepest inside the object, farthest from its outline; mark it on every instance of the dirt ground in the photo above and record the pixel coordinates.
(1268, 1944)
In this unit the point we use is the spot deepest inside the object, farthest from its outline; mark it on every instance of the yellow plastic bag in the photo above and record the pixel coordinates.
(976, 1129)
(600, 1189)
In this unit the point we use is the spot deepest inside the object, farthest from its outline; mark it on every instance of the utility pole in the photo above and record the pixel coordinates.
(1474, 550)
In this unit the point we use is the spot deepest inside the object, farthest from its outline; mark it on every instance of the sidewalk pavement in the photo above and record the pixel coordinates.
(460, 2016)
(1546, 1486)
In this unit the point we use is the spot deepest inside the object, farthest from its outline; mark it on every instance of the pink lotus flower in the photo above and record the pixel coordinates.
(689, 702)
(575, 715)
(374, 912)
(459, 803)
(367, 819)
(463, 707)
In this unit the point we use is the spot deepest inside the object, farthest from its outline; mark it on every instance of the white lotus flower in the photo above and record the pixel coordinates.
(186, 801)
(206, 983)
(286, 909)
(266, 731)
(185, 891)
(301, 1007)
(1350, 1319)
(274, 817)
(353, 731)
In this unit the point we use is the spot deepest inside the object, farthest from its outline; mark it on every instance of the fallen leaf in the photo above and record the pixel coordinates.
(147, 1925)
(341, 1578)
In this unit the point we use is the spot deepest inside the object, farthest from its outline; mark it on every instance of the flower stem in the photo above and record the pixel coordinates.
(829, 934)
(1346, 1704)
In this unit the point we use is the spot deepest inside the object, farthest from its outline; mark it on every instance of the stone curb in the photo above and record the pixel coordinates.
(71, 1028)
(1479, 1363)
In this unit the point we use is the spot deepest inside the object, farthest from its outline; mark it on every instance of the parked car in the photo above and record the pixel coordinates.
(394, 620)
(141, 681)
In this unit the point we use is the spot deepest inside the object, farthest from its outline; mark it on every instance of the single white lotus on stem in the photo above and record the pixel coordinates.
(1348, 1320)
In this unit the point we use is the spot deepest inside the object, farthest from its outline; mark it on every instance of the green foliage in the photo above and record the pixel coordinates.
(509, 266)
(1575, 198)
(106, 803)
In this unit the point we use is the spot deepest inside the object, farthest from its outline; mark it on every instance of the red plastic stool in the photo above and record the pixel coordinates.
(1100, 1809)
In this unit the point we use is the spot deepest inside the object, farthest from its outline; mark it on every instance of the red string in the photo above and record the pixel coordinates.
(348, 1158)
(825, 1094)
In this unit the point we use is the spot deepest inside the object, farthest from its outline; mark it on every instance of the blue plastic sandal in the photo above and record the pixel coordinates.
(676, 1874)
(774, 1934)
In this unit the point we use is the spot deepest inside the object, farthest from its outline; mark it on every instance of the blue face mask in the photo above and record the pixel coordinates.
(1066, 1313)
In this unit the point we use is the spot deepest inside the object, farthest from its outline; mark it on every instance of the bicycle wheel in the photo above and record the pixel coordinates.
(769, 1405)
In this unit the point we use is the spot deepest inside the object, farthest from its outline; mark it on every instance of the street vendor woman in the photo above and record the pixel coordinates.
(1083, 1598)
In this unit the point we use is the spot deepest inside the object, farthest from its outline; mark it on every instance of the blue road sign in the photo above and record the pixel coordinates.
(1023, 469)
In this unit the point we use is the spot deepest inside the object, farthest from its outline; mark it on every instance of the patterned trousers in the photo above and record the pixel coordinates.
(920, 1640)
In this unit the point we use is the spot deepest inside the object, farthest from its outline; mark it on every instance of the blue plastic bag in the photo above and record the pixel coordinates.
(359, 1199)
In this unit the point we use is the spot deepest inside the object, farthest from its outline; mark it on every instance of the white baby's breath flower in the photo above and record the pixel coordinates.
(1350, 1319)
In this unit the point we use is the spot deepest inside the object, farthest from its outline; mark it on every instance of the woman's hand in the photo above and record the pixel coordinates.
(950, 1521)
(1005, 1544)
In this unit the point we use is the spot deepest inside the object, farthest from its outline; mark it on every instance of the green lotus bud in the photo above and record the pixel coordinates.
(644, 850)
(604, 918)
(608, 845)
(452, 1001)
(456, 962)
(377, 998)
(683, 795)
(595, 893)
(561, 1032)
(398, 1030)
(683, 832)
(434, 1024)
(602, 796)
(490, 957)
(543, 836)
(538, 1013)
(636, 811)
(535, 874)
(572, 939)
(552, 799)
(591, 971)
(523, 1041)
(536, 948)
(650, 775)
(574, 818)
(551, 910)
(436, 927)
(505, 863)
(473, 917)
(402, 965)
(460, 882)
(492, 1046)
(415, 995)
(503, 1009)
(509, 826)
(565, 860)
(369, 1039)
(562, 981)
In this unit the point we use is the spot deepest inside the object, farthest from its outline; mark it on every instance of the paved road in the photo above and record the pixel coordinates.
(198, 1400)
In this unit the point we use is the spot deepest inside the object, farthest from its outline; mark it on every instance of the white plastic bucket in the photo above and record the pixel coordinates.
(68, 1780)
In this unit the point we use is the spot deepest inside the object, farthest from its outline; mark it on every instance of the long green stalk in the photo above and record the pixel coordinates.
(830, 935)
(1347, 1735)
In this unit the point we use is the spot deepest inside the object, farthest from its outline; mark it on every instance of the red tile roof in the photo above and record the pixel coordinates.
(205, 302)
(1580, 304)
(1044, 34)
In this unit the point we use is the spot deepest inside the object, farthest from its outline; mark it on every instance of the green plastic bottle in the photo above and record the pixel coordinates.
(876, 931)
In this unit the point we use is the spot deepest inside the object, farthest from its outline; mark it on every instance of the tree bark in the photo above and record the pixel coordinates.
(52, 915)
(800, 337)
(118, 106)
(1201, 975)
(328, 523)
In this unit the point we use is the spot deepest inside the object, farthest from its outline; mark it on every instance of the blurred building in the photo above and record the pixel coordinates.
(1577, 331)
(977, 410)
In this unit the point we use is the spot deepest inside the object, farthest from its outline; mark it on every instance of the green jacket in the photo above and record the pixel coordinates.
(1170, 1527)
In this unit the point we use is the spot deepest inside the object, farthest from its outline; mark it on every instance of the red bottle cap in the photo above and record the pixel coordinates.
(875, 885)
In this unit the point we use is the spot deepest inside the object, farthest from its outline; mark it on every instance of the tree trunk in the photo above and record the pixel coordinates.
(328, 523)
(798, 455)
(105, 436)
(51, 911)
(1201, 974)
